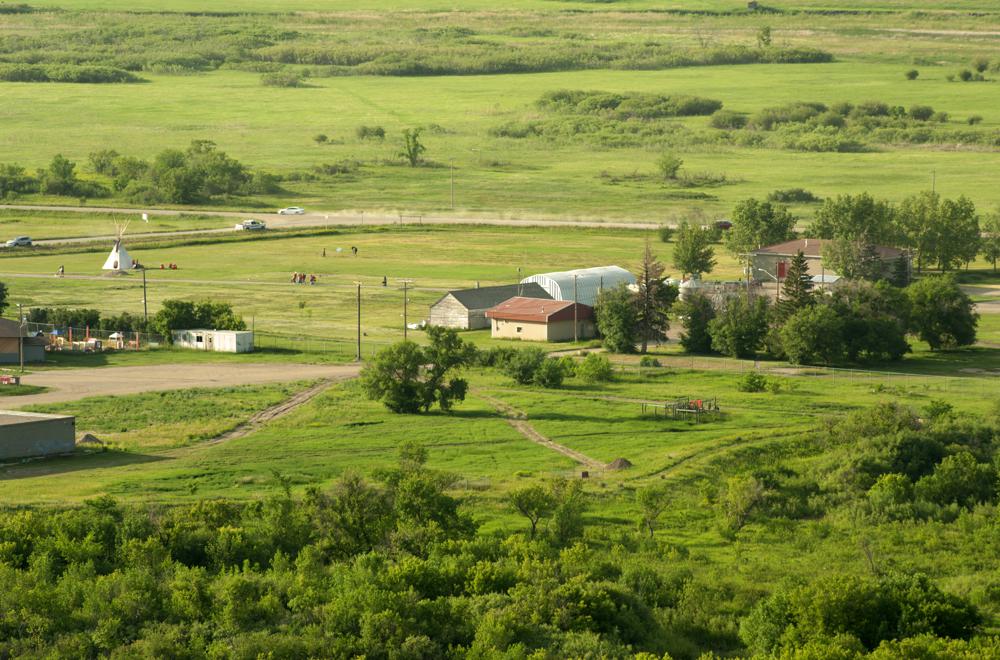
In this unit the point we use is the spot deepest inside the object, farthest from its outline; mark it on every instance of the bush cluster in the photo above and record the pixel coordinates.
(200, 173)
(633, 105)
(65, 73)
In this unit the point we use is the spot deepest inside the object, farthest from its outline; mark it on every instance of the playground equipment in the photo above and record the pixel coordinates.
(696, 410)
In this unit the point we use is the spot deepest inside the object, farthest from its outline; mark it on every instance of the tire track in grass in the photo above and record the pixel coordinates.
(518, 419)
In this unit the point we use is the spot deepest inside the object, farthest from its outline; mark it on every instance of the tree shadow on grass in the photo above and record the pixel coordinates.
(78, 461)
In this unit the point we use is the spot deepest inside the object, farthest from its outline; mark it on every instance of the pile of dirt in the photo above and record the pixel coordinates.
(620, 464)
(90, 439)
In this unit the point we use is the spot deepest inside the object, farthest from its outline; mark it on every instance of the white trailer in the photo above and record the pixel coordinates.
(220, 341)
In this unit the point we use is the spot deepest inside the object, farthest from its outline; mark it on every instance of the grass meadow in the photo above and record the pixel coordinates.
(272, 128)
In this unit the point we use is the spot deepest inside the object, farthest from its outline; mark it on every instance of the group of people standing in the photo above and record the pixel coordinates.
(300, 278)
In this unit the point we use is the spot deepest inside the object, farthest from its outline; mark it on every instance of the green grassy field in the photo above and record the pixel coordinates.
(45, 225)
(254, 277)
(272, 128)
(157, 453)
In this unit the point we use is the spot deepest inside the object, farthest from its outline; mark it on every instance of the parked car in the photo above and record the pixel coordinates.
(292, 210)
(724, 225)
(251, 225)
(20, 241)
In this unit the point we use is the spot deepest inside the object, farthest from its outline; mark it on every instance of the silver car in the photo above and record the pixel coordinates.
(292, 210)
(20, 241)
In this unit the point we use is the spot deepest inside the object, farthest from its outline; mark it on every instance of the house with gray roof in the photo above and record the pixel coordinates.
(465, 309)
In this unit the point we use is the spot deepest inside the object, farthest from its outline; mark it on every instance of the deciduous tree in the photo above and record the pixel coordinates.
(693, 253)
(942, 314)
(412, 149)
(756, 224)
(738, 330)
(617, 319)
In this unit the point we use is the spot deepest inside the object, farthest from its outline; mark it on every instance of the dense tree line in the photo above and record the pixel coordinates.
(856, 322)
(395, 567)
(201, 173)
(198, 174)
(172, 315)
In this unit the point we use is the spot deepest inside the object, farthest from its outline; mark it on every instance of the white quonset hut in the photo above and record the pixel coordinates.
(220, 341)
(589, 282)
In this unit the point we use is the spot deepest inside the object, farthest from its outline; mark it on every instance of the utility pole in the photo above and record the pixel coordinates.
(20, 337)
(406, 285)
(358, 357)
(145, 306)
(518, 280)
(576, 325)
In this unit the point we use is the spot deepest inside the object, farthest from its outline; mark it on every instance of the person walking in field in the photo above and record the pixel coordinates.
(61, 271)
(295, 278)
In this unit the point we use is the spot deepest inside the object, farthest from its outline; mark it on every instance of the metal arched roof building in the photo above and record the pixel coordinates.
(589, 282)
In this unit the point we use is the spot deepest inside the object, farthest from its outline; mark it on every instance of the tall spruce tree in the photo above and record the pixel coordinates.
(796, 291)
(653, 300)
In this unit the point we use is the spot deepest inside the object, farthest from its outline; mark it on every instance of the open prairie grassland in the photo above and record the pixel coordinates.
(472, 79)
(844, 513)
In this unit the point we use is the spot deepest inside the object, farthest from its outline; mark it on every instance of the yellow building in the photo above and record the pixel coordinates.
(533, 319)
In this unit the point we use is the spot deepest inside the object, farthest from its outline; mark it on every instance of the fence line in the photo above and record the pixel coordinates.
(85, 339)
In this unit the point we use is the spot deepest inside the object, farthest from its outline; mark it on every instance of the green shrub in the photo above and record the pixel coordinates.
(752, 381)
(550, 373)
(524, 364)
(974, 119)
(965, 75)
(370, 133)
(665, 233)
(282, 79)
(921, 112)
(912, 74)
(792, 195)
(727, 119)
(648, 361)
(595, 368)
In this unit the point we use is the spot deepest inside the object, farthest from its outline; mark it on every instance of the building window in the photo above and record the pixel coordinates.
(519, 328)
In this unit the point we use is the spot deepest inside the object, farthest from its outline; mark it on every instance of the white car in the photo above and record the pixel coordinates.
(292, 210)
(251, 225)
(20, 241)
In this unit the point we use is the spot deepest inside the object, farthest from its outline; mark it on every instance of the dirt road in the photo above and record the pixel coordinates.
(318, 219)
(73, 384)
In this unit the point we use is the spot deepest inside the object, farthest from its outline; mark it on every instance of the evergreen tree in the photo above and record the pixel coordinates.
(796, 291)
(697, 312)
(901, 271)
(653, 300)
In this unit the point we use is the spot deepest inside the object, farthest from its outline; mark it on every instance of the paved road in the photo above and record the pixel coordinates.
(318, 219)
(73, 384)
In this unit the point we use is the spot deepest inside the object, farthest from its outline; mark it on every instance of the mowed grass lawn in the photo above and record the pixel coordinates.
(272, 129)
(340, 430)
(254, 276)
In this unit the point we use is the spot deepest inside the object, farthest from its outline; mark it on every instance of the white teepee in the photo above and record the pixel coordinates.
(118, 260)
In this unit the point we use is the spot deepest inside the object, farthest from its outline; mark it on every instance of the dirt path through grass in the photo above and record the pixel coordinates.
(270, 414)
(519, 420)
(73, 384)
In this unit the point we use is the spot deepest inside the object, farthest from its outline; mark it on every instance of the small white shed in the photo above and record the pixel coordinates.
(220, 341)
